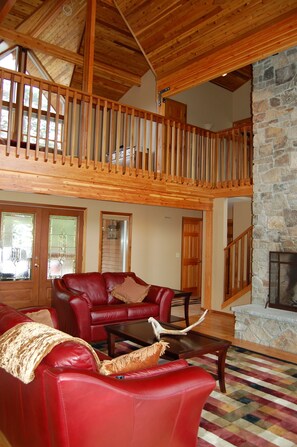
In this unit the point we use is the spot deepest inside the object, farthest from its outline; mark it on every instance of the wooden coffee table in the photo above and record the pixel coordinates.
(180, 346)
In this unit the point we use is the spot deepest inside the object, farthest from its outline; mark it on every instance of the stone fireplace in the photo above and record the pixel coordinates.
(275, 197)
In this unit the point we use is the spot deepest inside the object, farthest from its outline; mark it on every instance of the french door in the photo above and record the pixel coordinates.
(37, 244)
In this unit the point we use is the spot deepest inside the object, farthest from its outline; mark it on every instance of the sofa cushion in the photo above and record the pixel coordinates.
(133, 361)
(130, 292)
(108, 314)
(92, 284)
(142, 310)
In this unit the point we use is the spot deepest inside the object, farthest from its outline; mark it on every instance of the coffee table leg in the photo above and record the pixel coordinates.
(111, 338)
(221, 368)
(186, 304)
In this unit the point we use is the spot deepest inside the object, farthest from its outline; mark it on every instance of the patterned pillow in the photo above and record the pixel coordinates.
(140, 359)
(130, 291)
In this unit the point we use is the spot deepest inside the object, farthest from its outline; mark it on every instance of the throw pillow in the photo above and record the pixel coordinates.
(130, 291)
(135, 360)
(42, 316)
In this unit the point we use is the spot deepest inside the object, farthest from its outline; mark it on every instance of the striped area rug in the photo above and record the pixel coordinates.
(259, 408)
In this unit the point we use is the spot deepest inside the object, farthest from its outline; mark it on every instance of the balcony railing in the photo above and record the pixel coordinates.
(54, 123)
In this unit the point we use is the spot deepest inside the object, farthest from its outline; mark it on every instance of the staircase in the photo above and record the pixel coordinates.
(238, 267)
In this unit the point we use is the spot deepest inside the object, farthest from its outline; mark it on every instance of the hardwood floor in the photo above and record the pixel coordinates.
(221, 325)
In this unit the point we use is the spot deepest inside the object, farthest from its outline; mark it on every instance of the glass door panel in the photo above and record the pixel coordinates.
(16, 246)
(62, 245)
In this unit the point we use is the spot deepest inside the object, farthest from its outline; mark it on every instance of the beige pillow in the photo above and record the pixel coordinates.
(130, 292)
(140, 359)
(41, 316)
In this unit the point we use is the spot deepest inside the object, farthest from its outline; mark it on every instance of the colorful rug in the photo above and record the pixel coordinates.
(260, 405)
(259, 408)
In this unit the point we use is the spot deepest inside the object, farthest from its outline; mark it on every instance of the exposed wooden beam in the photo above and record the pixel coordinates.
(5, 7)
(252, 48)
(41, 19)
(69, 56)
(88, 68)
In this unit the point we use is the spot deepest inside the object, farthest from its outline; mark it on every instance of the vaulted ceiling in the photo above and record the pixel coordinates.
(108, 45)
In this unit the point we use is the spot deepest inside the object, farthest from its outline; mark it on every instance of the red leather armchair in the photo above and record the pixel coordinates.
(84, 303)
(69, 404)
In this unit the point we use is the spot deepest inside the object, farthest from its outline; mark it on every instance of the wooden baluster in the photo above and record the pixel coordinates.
(97, 134)
(10, 115)
(132, 142)
(27, 151)
(19, 115)
(73, 128)
(104, 136)
(65, 140)
(111, 147)
(57, 124)
(150, 148)
(125, 139)
(89, 121)
(118, 136)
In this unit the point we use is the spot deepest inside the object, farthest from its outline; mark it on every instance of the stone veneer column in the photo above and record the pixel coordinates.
(275, 197)
(275, 164)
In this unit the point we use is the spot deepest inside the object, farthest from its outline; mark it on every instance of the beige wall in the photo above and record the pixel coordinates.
(220, 215)
(241, 215)
(207, 103)
(242, 102)
(143, 97)
(156, 234)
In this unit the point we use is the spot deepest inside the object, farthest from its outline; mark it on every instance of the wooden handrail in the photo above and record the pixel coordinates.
(47, 121)
(238, 264)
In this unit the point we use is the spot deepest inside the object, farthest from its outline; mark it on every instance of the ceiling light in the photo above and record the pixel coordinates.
(225, 74)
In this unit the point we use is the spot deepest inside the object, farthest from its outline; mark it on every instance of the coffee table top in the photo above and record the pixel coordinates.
(180, 346)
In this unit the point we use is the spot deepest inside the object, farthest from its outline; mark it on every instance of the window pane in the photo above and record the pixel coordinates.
(16, 246)
(61, 246)
(115, 243)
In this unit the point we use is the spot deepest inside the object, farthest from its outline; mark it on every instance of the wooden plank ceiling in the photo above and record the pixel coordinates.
(184, 42)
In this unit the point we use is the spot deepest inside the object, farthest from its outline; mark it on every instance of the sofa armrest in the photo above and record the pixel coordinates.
(163, 297)
(73, 310)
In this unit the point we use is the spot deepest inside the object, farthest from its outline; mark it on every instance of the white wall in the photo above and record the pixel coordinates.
(242, 215)
(156, 234)
(143, 97)
(242, 102)
(220, 214)
(208, 103)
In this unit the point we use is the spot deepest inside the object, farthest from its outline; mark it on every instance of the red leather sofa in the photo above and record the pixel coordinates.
(69, 404)
(84, 303)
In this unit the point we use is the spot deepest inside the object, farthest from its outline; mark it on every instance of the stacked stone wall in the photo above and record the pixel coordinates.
(275, 164)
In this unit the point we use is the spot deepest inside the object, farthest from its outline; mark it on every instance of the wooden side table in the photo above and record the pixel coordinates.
(186, 297)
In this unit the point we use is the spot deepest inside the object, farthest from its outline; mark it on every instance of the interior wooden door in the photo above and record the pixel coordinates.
(191, 255)
(174, 110)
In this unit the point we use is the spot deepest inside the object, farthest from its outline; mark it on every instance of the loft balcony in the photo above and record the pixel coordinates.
(61, 141)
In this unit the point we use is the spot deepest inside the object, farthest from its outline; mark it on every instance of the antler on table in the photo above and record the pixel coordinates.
(158, 329)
